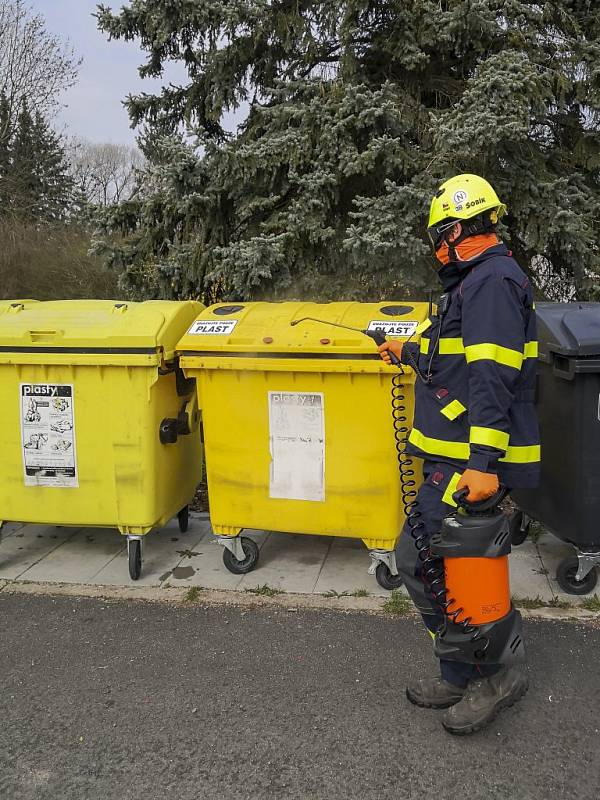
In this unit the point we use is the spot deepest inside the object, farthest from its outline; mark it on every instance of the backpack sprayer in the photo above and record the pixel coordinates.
(481, 625)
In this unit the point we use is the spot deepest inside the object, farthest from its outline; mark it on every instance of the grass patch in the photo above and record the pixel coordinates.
(538, 602)
(535, 531)
(264, 591)
(529, 602)
(557, 603)
(591, 603)
(361, 593)
(397, 604)
(333, 593)
(193, 594)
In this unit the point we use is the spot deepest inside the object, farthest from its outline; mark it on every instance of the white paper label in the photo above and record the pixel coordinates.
(406, 328)
(48, 435)
(297, 442)
(209, 327)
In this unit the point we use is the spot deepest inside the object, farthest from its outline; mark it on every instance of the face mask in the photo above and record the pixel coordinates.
(469, 248)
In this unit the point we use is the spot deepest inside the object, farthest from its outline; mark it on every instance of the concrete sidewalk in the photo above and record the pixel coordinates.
(291, 563)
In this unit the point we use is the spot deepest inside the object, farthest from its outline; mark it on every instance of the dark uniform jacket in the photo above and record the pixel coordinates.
(478, 358)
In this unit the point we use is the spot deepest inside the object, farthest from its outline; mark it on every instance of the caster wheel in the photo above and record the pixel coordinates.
(134, 551)
(565, 575)
(518, 531)
(184, 519)
(247, 565)
(385, 578)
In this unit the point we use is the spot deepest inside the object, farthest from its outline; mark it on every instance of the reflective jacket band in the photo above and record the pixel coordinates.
(450, 489)
(461, 451)
(494, 352)
(523, 455)
(489, 437)
(439, 447)
(448, 346)
(453, 410)
(531, 350)
(487, 351)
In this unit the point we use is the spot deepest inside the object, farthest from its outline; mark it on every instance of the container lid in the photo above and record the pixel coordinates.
(569, 329)
(300, 331)
(96, 327)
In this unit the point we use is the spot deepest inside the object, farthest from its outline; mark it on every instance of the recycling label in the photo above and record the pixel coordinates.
(390, 328)
(212, 327)
(48, 435)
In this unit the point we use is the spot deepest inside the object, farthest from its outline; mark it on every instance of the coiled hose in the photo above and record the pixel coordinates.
(432, 569)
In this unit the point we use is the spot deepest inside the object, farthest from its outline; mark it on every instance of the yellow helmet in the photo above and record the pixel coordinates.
(463, 197)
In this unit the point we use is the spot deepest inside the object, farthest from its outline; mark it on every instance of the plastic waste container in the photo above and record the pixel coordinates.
(99, 425)
(567, 501)
(297, 422)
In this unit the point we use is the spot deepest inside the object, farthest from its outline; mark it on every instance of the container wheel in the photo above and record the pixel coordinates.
(250, 549)
(184, 519)
(566, 577)
(518, 531)
(134, 551)
(385, 578)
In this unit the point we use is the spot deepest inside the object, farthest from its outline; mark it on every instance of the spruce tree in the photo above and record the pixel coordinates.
(356, 112)
(38, 184)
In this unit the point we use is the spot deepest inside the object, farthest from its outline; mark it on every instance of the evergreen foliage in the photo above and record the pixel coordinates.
(357, 110)
(34, 180)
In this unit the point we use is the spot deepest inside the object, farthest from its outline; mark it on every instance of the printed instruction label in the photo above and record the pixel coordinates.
(209, 327)
(406, 328)
(297, 443)
(48, 435)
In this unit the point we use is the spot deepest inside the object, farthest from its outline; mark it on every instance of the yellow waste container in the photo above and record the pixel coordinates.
(297, 418)
(99, 425)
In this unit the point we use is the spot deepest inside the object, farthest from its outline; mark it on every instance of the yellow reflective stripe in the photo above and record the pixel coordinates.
(451, 347)
(489, 436)
(439, 447)
(494, 352)
(523, 455)
(447, 346)
(431, 633)
(529, 454)
(450, 489)
(531, 350)
(422, 327)
(453, 410)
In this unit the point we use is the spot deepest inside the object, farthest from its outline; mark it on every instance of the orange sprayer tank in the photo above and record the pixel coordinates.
(481, 625)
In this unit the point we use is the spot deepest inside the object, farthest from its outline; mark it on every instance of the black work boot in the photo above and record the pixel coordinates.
(484, 698)
(434, 693)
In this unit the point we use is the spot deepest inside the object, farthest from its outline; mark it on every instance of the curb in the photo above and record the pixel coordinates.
(247, 600)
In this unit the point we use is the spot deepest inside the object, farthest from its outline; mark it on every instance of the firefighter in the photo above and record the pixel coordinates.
(475, 424)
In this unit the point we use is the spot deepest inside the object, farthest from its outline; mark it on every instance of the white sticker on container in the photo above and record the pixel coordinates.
(297, 444)
(210, 327)
(48, 435)
(390, 328)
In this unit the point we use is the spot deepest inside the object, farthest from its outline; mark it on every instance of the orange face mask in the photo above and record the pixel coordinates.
(469, 248)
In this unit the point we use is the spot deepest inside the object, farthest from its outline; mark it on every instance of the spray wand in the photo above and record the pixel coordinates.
(378, 335)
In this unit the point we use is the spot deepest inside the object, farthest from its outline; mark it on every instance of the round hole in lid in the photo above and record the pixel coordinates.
(222, 311)
(396, 311)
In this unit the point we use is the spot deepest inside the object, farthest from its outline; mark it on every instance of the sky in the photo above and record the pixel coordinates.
(93, 108)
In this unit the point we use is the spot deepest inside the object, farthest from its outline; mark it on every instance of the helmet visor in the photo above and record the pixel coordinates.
(437, 232)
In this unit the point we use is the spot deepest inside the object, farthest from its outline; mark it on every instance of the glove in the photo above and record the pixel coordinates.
(395, 347)
(481, 485)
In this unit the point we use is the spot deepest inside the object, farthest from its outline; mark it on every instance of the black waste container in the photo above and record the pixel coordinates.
(567, 501)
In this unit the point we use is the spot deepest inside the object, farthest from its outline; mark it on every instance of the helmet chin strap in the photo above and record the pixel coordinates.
(483, 223)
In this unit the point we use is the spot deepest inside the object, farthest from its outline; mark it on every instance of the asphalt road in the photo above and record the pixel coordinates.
(132, 700)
